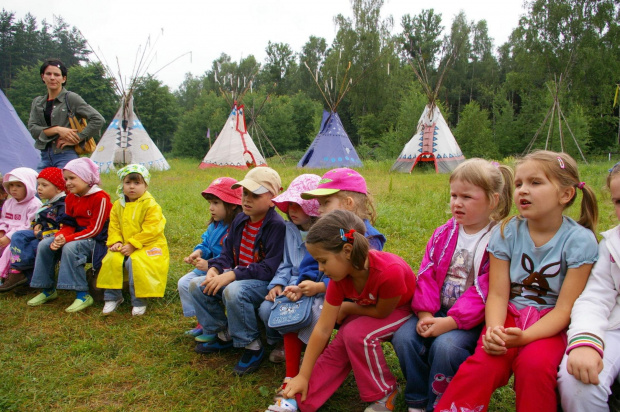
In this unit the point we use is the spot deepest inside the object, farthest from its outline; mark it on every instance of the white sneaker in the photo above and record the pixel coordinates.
(138, 310)
(111, 305)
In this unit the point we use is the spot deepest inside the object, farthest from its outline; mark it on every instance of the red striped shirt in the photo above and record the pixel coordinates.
(248, 237)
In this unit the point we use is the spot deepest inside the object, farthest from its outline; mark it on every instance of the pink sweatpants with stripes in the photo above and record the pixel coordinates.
(357, 346)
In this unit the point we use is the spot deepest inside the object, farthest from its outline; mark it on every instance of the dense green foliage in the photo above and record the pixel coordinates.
(494, 96)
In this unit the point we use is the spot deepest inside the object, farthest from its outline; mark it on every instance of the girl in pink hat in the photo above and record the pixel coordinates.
(224, 204)
(297, 276)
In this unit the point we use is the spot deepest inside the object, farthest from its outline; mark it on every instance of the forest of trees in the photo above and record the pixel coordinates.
(494, 97)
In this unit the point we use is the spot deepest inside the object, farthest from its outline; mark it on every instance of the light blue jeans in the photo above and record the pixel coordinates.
(430, 363)
(232, 307)
(71, 275)
(273, 336)
(187, 302)
(117, 294)
(51, 159)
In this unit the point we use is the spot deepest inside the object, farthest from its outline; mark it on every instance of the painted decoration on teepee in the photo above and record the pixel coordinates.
(126, 141)
(234, 146)
(432, 142)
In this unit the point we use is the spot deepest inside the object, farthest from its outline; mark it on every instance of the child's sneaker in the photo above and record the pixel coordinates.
(283, 405)
(42, 298)
(80, 304)
(138, 310)
(216, 345)
(111, 305)
(197, 331)
(205, 337)
(277, 354)
(250, 361)
(385, 404)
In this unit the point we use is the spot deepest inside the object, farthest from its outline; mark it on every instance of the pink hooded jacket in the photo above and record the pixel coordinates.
(468, 310)
(18, 215)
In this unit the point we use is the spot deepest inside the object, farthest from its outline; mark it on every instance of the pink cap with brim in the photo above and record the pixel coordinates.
(300, 184)
(221, 188)
(336, 180)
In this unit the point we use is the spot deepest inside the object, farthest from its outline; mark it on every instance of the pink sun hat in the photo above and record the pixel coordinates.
(336, 180)
(300, 184)
(221, 188)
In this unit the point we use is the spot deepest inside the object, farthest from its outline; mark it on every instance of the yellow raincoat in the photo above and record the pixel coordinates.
(140, 223)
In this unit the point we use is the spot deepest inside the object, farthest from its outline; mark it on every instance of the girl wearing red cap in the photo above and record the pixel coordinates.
(224, 205)
(47, 220)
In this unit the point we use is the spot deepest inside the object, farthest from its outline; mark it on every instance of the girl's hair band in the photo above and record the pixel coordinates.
(561, 161)
(581, 185)
(348, 236)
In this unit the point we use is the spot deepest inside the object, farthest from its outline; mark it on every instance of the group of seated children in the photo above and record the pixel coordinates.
(76, 225)
(494, 295)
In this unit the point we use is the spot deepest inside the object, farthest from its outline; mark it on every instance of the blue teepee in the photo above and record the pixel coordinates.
(332, 147)
(17, 143)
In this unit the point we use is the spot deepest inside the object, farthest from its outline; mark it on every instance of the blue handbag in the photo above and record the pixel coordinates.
(288, 316)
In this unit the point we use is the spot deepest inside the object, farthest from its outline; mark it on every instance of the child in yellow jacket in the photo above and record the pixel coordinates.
(136, 242)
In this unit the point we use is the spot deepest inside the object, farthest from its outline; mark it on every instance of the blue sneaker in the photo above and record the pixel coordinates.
(197, 331)
(205, 337)
(250, 361)
(216, 345)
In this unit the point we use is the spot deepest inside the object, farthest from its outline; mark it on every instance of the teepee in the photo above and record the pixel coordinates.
(234, 146)
(555, 111)
(433, 141)
(331, 147)
(126, 141)
(17, 143)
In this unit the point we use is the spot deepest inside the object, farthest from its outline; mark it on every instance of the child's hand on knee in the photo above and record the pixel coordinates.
(492, 343)
(4, 241)
(127, 249)
(274, 293)
(585, 363)
(201, 264)
(192, 257)
(116, 247)
(59, 241)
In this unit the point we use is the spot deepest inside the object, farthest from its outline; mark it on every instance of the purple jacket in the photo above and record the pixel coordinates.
(468, 310)
(268, 248)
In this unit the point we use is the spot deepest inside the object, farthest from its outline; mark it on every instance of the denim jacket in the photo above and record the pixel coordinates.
(294, 251)
(267, 251)
(37, 124)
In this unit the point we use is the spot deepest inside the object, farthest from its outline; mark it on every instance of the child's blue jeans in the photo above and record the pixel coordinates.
(233, 307)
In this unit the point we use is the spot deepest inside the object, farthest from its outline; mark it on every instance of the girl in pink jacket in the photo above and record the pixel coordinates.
(18, 211)
(452, 283)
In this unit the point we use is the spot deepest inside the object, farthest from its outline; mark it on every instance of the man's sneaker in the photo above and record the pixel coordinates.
(250, 361)
(111, 305)
(79, 304)
(205, 337)
(42, 298)
(283, 405)
(138, 310)
(384, 405)
(13, 280)
(216, 345)
(277, 354)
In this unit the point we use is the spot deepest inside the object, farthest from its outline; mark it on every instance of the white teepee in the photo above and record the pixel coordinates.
(433, 141)
(234, 146)
(126, 141)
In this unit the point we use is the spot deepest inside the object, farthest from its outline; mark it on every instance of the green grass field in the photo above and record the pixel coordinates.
(52, 360)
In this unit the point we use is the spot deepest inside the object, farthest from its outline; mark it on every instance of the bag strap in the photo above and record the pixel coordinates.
(67, 103)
